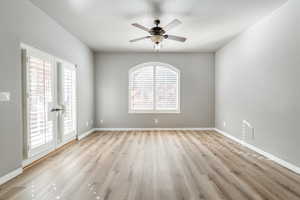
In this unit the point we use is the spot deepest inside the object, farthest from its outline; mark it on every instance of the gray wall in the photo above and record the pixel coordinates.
(20, 21)
(197, 90)
(257, 79)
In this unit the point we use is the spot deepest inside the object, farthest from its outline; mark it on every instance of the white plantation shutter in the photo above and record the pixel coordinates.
(40, 98)
(166, 88)
(154, 87)
(68, 88)
(141, 89)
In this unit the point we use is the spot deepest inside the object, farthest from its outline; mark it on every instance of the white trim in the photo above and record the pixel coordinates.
(32, 48)
(154, 112)
(279, 161)
(10, 175)
(46, 152)
(61, 65)
(230, 136)
(40, 155)
(83, 135)
(36, 157)
(66, 141)
(154, 129)
(132, 69)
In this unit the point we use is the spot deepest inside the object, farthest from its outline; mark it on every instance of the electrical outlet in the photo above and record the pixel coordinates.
(101, 121)
(224, 124)
(4, 96)
(87, 124)
(156, 121)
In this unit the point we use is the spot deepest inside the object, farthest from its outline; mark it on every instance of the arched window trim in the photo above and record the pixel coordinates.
(139, 66)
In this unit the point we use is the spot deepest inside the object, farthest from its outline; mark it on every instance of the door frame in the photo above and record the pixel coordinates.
(28, 159)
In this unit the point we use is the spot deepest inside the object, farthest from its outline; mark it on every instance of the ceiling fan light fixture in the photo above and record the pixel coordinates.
(157, 46)
(157, 39)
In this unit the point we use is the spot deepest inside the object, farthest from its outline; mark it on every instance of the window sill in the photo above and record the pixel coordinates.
(154, 112)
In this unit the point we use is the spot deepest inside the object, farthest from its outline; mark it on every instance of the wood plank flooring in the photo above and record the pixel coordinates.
(158, 165)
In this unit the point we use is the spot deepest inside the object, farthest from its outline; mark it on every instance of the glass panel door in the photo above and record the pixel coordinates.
(41, 123)
(50, 103)
(67, 100)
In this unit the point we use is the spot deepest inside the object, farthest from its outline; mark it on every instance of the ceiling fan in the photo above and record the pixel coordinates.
(158, 34)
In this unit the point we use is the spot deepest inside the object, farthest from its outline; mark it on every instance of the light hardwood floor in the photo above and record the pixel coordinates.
(158, 165)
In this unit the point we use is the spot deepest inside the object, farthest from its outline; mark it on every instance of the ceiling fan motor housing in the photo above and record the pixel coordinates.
(157, 31)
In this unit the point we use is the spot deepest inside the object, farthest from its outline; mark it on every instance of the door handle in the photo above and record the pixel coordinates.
(57, 109)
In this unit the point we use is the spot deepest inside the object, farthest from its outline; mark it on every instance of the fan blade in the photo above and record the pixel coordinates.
(176, 38)
(141, 27)
(138, 39)
(172, 24)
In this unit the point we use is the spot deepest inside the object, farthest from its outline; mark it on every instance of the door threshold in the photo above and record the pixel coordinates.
(30, 162)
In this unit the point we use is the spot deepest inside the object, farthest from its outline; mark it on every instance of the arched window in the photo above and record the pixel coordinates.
(154, 88)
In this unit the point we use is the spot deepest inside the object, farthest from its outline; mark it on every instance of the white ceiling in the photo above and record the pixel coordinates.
(104, 25)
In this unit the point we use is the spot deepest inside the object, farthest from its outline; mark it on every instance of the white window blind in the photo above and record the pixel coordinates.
(154, 87)
(69, 97)
(40, 97)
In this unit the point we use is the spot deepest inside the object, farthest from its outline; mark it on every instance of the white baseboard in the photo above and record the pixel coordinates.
(36, 157)
(46, 152)
(154, 129)
(66, 141)
(279, 161)
(10, 175)
(83, 135)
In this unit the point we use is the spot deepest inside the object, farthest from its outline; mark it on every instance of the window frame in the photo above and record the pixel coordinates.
(154, 111)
